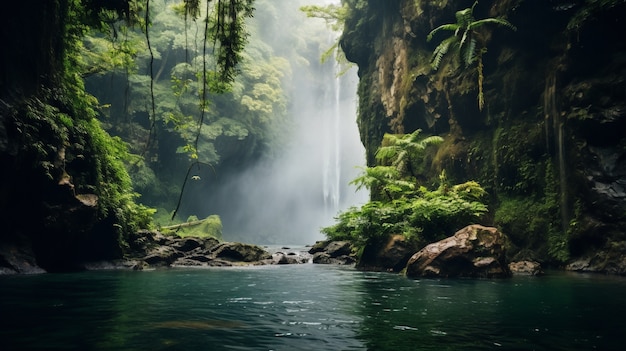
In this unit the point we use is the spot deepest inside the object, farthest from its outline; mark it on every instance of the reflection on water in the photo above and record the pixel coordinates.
(307, 307)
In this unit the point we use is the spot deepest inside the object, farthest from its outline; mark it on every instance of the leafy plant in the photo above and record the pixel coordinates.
(401, 206)
(467, 42)
(335, 17)
(402, 150)
(418, 214)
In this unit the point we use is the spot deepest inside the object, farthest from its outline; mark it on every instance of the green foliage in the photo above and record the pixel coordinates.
(335, 17)
(533, 222)
(112, 182)
(210, 227)
(403, 151)
(400, 206)
(417, 214)
(466, 41)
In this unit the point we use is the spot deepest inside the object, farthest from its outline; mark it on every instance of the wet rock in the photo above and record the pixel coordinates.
(325, 258)
(240, 252)
(319, 246)
(18, 259)
(187, 244)
(162, 256)
(525, 268)
(338, 248)
(610, 260)
(332, 252)
(474, 251)
(290, 257)
(281, 258)
(392, 256)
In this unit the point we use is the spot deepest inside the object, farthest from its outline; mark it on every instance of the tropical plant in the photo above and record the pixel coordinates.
(467, 41)
(335, 17)
(401, 206)
(418, 214)
(403, 150)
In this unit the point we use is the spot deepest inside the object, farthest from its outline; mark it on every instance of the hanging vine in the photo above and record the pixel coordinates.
(225, 28)
(152, 131)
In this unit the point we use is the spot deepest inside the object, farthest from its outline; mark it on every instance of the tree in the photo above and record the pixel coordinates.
(467, 41)
(71, 171)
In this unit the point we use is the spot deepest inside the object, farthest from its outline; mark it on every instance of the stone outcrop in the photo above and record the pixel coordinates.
(474, 251)
(332, 252)
(152, 249)
(392, 256)
(17, 259)
(550, 138)
(609, 261)
(525, 268)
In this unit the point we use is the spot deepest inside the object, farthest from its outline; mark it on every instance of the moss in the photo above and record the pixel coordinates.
(210, 227)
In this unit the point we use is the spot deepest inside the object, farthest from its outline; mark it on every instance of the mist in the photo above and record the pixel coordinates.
(288, 197)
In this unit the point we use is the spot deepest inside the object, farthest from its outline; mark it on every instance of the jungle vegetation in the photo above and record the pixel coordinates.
(192, 114)
(467, 42)
(403, 204)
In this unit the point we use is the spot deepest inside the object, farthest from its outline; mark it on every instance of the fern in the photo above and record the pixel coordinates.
(465, 40)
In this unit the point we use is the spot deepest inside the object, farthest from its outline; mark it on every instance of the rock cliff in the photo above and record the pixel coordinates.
(549, 143)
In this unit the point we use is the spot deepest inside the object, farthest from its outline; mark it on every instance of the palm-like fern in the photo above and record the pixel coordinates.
(465, 41)
(401, 149)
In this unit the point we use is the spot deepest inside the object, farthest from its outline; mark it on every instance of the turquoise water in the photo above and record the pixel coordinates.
(308, 307)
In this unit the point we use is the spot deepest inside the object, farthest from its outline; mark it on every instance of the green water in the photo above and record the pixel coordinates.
(308, 307)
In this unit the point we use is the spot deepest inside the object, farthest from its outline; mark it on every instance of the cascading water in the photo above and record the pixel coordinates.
(332, 146)
(288, 198)
(557, 131)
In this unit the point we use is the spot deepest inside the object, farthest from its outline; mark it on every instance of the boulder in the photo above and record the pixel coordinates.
(392, 256)
(332, 252)
(187, 244)
(319, 246)
(325, 258)
(525, 268)
(474, 251)
(18, 259)
(290, 258)
(162, 256)
(338, 248)
(281, 258)
(233, 251)
(610, 260)
(332, 248)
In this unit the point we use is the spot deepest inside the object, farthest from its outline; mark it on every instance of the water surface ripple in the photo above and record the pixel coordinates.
(307, 307)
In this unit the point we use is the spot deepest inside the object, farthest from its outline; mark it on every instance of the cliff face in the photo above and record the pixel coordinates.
(549, 145)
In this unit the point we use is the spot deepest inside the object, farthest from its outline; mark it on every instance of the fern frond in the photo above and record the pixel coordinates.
(431, 140)
(449, 26)
(469, 54)
(440, 51)
(386, 153)
(498, 21)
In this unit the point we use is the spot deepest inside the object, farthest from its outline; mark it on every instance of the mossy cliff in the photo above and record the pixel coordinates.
(549, 144)
(65, 195)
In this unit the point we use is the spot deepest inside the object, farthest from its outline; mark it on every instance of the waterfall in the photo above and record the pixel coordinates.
(299, 187)
(287, 199)
(552, 113)
(332, 156)
(343, 151)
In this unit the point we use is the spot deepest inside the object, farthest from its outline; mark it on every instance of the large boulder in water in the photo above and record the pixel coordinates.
(392, 256)
(240, 252)
(332, 252)
(474, 251)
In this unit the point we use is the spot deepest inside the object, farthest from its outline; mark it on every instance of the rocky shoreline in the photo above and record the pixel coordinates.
(474, 251)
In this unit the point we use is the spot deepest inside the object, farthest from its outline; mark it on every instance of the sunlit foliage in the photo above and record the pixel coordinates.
(401, 205)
